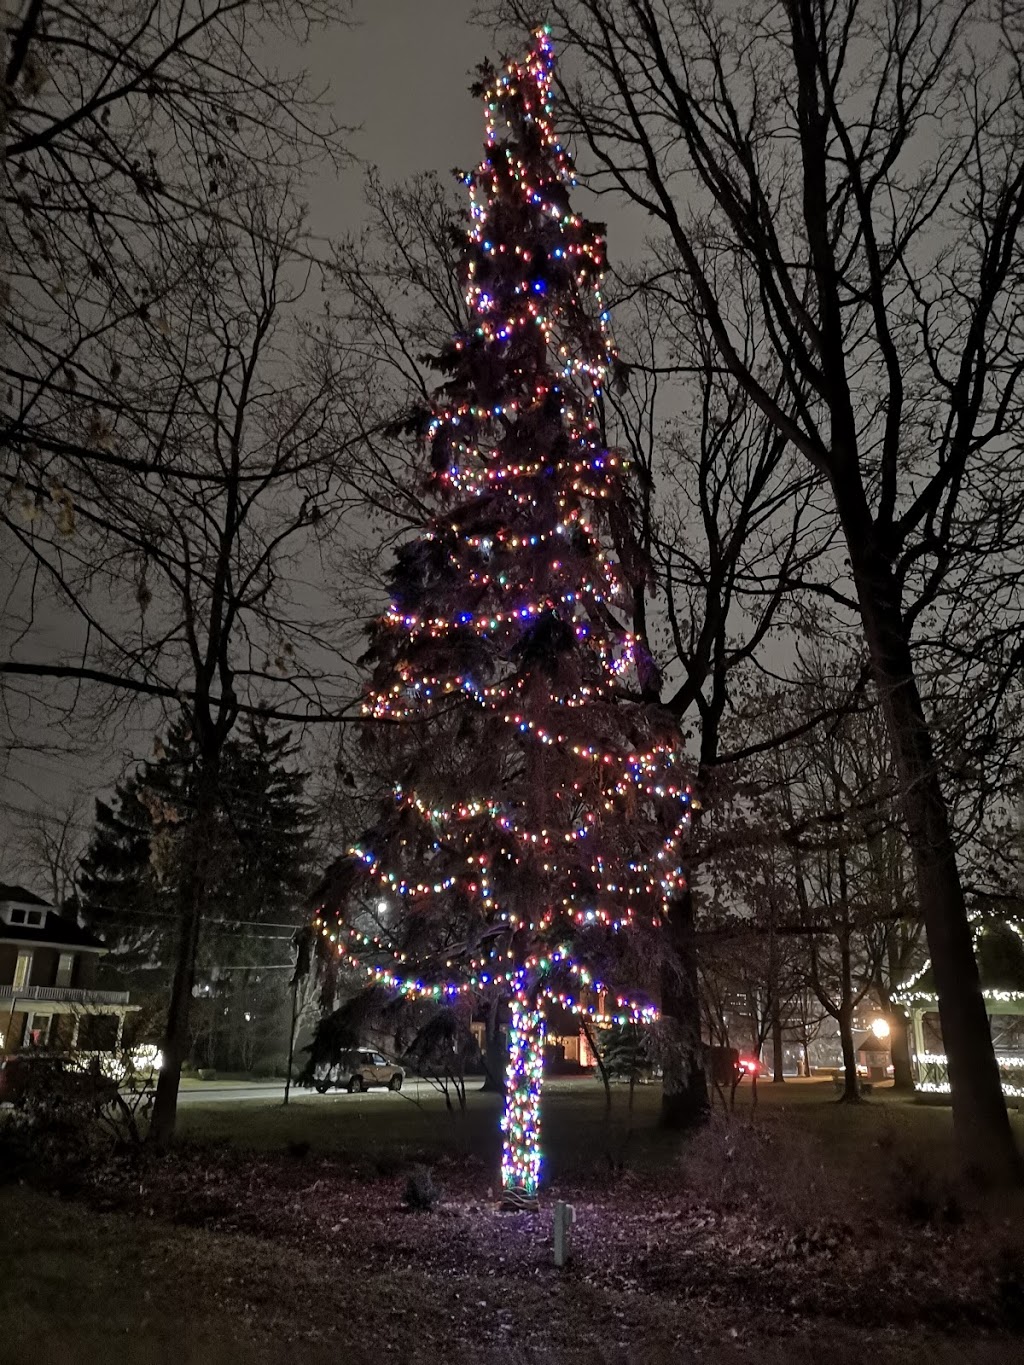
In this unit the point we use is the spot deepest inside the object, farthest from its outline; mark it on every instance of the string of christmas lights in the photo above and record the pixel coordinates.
(622, 1009)
(520, 1123)
(541, 807)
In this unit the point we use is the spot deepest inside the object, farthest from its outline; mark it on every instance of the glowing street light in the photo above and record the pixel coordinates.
(880, 1027)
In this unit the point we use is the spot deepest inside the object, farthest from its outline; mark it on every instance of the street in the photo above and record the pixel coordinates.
(212, 1092)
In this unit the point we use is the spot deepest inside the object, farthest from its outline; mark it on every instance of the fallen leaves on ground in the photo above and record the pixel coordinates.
(651, 1256)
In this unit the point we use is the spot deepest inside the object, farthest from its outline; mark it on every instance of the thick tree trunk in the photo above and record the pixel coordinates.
(520, 1154)
(899, 1043)
(778, 1075)
(851, 1087)
(684, 1094)
(495, 1055)
(292, 1030)
(899, 1048)
(176, 1034)
(176, 1038)
(756, 1023)
(980, 1118)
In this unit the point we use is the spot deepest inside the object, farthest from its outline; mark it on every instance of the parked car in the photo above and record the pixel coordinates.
(358, 1071)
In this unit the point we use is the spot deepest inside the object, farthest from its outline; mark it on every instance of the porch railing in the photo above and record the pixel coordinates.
(933, 1073)
(73, 995)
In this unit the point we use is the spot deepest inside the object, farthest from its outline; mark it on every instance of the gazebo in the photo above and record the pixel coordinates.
(999, 950)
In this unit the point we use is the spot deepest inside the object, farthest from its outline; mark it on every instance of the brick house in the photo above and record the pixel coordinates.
(48, 997)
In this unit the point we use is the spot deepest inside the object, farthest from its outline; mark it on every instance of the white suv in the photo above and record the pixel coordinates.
(358, 1071)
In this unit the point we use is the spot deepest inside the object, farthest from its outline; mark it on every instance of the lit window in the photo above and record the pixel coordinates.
(37, 1030)
(21, 968)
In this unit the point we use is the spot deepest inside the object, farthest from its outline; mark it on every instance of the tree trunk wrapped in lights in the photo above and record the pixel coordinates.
(535, 798)
(520, 1123)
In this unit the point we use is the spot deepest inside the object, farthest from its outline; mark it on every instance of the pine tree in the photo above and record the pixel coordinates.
(625, 1051)
(130, 894)
(132, 874)
(538, 800)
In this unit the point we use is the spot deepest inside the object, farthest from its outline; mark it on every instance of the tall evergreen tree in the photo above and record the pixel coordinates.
(538, 800)
(133, 880)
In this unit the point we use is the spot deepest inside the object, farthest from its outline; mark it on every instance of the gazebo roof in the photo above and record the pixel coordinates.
(999, 951)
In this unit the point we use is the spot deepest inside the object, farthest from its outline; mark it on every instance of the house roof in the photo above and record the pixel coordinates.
(870, 1042)
(19, 895)
(999, 951)
(54, 932)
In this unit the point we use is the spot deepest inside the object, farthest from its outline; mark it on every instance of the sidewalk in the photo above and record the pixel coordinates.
(232, 1082)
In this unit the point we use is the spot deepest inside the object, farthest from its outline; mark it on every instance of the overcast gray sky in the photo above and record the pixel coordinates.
(400, 76)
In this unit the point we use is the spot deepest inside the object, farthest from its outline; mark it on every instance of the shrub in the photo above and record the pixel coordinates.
(420, 1194)
(70, 1113)
(270, 1066)
(736, 1165)
(1009, 1286)
(17, 1149)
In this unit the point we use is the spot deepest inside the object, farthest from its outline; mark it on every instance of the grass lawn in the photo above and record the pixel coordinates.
(579, 1135)
(578, 1131)
(277, 1234)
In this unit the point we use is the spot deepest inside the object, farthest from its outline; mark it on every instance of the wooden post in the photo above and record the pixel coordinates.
(917, 1019)
(291, 1037)
(565, 1216)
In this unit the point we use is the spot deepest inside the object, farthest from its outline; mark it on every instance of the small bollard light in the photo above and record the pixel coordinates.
(565, 1216)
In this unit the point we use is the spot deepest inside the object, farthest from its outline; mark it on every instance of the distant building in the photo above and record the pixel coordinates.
(566, 1045)
(48, 966)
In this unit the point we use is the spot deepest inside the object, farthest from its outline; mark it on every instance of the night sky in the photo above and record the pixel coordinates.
(400, 77)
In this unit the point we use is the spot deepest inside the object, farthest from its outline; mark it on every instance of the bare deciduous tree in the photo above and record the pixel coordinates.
(128, 128)
(865, 163)
(49, 844)
(722, 535)
(172, 438)
(139, 139)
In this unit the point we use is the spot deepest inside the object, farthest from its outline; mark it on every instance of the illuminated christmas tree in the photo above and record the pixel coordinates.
(536, 800)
